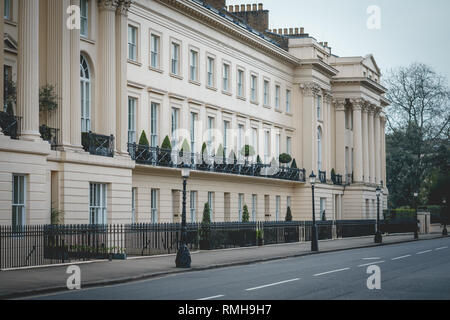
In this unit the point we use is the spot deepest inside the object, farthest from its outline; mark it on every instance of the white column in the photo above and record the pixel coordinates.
(365, 131)
(340, 136)
(121, 77)
(28, 69)
(1, 54)
(75, 90)
(357, 141)
(377, 148)
(371, 147)
(106, 115)
(383, 149)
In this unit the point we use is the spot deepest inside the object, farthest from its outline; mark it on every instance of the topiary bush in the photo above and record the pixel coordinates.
(143, 141)
(294, 164)
(245, 214)
(284, 158)
(205, 228)
(166, 144)
(48, 100)
(288, 214)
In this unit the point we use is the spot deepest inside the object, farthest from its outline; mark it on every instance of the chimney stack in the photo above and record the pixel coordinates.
(326, 44)
(254, 7)
(243, 7)
(296, 31)
(249, 7)
(302, 30)
(260, 6)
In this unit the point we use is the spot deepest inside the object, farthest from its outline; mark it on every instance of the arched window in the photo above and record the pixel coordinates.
(85, 80)
(319, 148)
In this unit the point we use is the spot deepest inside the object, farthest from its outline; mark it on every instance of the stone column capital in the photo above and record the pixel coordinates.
(327, 96)
(310, 89)
(357, 103)
(110, 5)
(123, 6)
(339, 104)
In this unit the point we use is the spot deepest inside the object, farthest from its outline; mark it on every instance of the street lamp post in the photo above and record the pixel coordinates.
(445, 217)
(378, 236)
(183, 259)
(314, 240)
(416, 231)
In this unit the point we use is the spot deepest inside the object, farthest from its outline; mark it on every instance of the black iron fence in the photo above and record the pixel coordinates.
(322, 176)
(10, 125)
(98, 144)
(49, 244)
(174, 158)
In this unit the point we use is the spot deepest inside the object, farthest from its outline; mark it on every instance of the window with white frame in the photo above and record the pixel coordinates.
(83, 17)
(155, 47)
(240, 83)
(226, 126)
(277, 208)
(277, 97)
(175, 59)
(226, 77)
(319, 148)
(288, 101)
(175, 122)
(319, 107)
(289, 145)
(253, 88)
(133, 205)
(132, 43)
(131, 120)
(18, 203)
(323, 202)
(211, 205)
(210, 71)
(8, 9)
(288, 202)
(266, 146)
(266, 92)
(254, 204)
(240, 205)
(193, 122)
(85, 81)
(255, 142)
(193, 66)
(210, 141)
(154, 124)
(97, 203)
(154, 205)
(193, 205)
(277, 146)
(241, 139)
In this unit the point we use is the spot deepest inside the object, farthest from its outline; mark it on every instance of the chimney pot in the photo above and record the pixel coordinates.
(260, 6)
(291, 31)
(296, 31)
(285, 31)
(302, 30)
(254, 6)
(230, 8)
(249, 7)
(280, 31)
(243, 7)
(326, 44)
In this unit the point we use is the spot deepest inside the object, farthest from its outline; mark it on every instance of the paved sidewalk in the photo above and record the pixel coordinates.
(17, 283)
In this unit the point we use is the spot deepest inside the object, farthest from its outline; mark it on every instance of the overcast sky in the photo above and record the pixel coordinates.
(411, 30)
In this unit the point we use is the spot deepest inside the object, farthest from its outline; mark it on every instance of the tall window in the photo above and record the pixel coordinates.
(289, 145)
(210, 136)
(8, 9)
(175, 61)
(154, 205)
(175, 120)
(277, 146)
(132, 43)
(211, 204)
(193, 121)
(193, 66)
(133, 205)
(240, 83)
(266, 146)
(193, 205)
(322, 208)
(210, 75)
(154, 124)
(277, 97)
(254, 203)
(288, 100)
(154, 50)
(253, 89)
(226, 77)
(85, 79)
(266, 92)
(18, 203)
(319, 107)
(319, 148)
(83, 17)
(131, 120)
(240, 140)
(255, 142)
(277, 207)
(240, 205)
(226, 125)
(97, 203)
(288, 202)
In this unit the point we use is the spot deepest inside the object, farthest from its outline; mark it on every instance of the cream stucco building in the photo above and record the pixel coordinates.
(185, 69)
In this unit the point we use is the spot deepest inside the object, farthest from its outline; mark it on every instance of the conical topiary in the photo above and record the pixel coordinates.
(205, 226)
(220, 154)
(294, 164)
(288, 214)
(143, 141)
(245, 214)
(258, 160)
(166, 144)
(185, 149)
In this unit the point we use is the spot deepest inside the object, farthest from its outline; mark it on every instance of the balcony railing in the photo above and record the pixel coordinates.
(322, 176)
(10, 125)
(49, 134)
(98, 144)
(349, 178)
(156, 156)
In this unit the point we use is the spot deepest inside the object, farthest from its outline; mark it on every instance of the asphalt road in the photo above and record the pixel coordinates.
(413, 270)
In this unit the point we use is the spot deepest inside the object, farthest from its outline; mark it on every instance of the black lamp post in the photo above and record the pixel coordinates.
(444, 217)
(314, 240)
(416, 231)
(183, 259)
(378, 236)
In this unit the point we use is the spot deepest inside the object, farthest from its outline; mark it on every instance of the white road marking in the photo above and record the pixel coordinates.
(371, 263)
(440, 248)
(374, 258)
(422, 252)
(332, 271)
(405, 256)
(213, 297)
(272, 284)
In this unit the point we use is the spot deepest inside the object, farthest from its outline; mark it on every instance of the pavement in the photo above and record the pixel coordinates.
(50, 279)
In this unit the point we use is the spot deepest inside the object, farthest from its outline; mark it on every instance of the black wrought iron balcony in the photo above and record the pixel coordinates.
(338, 180)
(49, 134)
(322, 176)
(349, 178)
(98, 144)
(10, 125)
(156, 156)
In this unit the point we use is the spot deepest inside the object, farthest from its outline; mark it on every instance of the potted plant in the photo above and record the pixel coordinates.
(284, 158)
(245, 214)
(333, 176)
(205, 229)
(142, 149)
(294, 164)
(164, 155)
(48, 100)
(247, 151)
